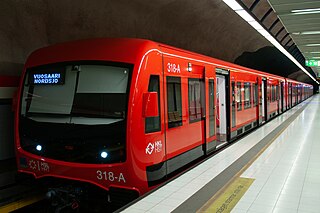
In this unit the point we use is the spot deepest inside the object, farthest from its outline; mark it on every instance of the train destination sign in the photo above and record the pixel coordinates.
(312, 63)
(54, 77)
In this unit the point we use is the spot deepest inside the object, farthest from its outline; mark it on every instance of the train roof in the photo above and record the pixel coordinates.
(116, 49)
(220, 63)
(120, 50)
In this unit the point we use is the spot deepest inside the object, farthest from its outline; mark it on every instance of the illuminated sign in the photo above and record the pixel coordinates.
(47, 77)
(312, 63)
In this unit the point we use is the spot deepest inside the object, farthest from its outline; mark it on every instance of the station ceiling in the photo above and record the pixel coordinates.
(208, 27)
(301, 19)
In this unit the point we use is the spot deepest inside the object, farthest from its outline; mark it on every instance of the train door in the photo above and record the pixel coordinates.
(197, 107)
(222, 109)
(233, 106)
(290, 95)
(152, 146)
(301, 93)
(211, 140)
(281, 97)
(294, 95)
(185, 115)
(264, 100)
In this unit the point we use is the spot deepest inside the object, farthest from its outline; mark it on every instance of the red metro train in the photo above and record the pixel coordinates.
(123, 114)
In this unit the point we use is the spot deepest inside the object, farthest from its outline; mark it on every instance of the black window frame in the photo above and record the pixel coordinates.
(152, 122)
(191, 97)
(255, 94)
(247, 104)
(239, 95)
(212, 109)
(273, 93)
(174, 116)
(233, 109)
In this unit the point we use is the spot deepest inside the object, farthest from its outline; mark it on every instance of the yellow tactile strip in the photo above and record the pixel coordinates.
(21, 203)
(228, 198)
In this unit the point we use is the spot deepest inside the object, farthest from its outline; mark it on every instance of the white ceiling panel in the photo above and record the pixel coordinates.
(298, 24)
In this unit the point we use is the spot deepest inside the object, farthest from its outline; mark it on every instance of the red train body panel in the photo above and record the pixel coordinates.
(202, 104)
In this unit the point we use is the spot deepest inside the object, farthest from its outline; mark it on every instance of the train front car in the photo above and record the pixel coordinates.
(74, 117)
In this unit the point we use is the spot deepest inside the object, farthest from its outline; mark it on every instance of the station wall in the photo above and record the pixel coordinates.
(8, 87)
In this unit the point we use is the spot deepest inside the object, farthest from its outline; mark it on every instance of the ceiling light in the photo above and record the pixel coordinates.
(312, 52)
(234, 5)
(256, 25)
(265, 33)
(245, 15)
(312, 45)
(306, 11)
(310, 33)
(307, 33)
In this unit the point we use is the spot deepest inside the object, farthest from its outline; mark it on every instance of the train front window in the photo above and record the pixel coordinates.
(88, 91)
(85, 105)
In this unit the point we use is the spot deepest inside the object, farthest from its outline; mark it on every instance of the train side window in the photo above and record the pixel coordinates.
(195, 108)
(255, 94)
(152, 124)
(239, 97)
(289, 89)
(233, 113)
(247, 95)
(212, 119)
(174, 101)
(268, 93)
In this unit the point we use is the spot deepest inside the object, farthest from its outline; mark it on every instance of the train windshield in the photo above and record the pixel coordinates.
(76, 94)
(76, 108)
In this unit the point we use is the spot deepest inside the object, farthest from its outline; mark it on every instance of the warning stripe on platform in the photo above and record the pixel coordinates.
(226, 200)
(21, 203)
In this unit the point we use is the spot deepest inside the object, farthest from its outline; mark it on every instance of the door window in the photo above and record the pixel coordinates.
(211, 109)
(153, 123)
(174, 101)
(239, 97)
(247, 95)
(195, 108)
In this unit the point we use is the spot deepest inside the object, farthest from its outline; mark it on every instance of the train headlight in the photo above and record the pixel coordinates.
(104, 154)
(39, 148)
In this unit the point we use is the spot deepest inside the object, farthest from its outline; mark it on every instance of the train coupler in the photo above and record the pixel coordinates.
(64, 198)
